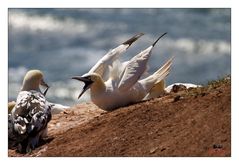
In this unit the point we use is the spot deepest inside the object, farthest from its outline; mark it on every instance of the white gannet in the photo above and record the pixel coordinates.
(123, 85)
(28, 120)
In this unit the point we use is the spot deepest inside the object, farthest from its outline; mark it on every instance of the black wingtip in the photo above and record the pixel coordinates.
(158, 39)
(133, 39)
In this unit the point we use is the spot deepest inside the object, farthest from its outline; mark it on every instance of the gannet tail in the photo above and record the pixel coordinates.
(163, 71)
(156, 90)
(155, 82)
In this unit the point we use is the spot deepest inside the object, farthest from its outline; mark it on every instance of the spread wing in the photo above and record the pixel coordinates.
(102, 65)
(134, 69)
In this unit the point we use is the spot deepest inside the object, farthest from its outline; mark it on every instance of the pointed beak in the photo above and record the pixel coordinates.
(87, 85)
(43, 83)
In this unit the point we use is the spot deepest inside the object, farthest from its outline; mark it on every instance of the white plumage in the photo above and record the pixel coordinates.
(103, 65)
(123, 85)
(30, 115)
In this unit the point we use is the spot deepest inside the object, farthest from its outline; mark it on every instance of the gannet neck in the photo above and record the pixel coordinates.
(27, 86)
(98, 86)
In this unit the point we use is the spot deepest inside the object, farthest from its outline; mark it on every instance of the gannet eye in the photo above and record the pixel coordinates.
(89, 78)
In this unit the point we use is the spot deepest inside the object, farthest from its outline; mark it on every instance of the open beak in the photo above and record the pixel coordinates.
(87, 82)
(45, 85)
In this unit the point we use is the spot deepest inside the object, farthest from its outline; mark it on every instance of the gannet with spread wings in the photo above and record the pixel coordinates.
(123, 86)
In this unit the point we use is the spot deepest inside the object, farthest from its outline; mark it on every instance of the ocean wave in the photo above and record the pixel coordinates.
(45, 23)
(21, 20)
(68, 42)
(203, 47)
(16, 74)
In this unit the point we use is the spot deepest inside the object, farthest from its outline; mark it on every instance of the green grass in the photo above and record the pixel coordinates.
(202, 91)
(216, 83)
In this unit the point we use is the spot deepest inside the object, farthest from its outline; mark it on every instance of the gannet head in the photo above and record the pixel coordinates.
(88, 79)
(32, 80)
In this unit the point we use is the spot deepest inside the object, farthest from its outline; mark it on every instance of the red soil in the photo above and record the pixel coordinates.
(193, 122)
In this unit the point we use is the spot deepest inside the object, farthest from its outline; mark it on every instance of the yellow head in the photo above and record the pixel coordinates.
(32, 80)
(91, 80)
(95, 77)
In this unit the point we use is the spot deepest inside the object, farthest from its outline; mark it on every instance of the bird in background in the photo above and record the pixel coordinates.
(27, 122)
(55, 108)
(122, 85)
(180, 86)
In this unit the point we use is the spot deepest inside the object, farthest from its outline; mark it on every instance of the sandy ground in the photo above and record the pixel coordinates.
(194, 122)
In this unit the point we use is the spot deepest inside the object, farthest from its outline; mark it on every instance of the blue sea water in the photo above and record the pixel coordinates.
(68, 42)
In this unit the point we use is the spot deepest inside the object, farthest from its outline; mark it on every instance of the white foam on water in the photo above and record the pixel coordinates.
(16, 74)
(45, 23)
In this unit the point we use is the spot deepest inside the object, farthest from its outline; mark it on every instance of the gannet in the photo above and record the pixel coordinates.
(28, 120)
(123, 86)
(176, 86)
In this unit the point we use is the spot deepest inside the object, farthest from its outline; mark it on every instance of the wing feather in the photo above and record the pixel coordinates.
(134, 69)
(107, 60)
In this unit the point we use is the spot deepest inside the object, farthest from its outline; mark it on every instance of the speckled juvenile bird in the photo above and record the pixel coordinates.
(28, 120)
